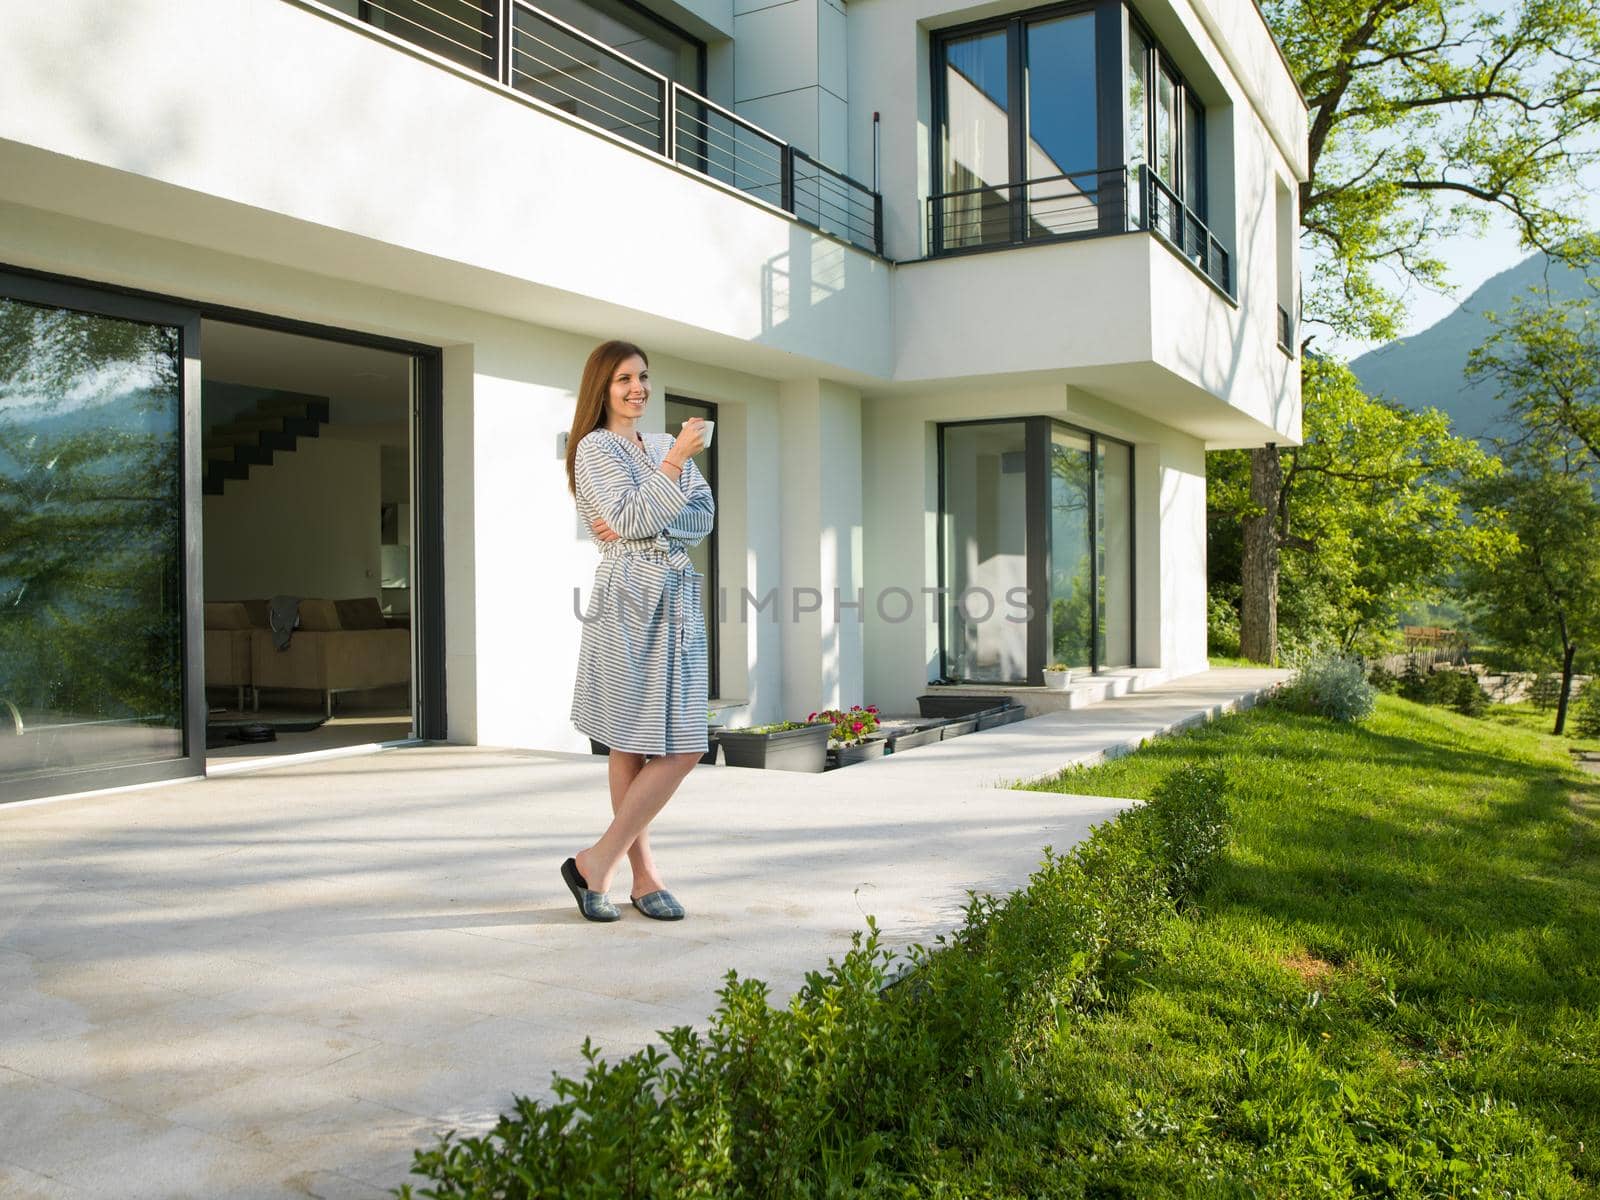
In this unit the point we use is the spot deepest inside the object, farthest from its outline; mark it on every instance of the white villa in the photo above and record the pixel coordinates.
(295, 295)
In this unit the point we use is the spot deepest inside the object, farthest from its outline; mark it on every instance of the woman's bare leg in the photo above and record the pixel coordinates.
(624, 768)
(652, 786)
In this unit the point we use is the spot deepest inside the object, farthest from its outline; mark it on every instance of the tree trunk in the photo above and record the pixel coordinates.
(1566, 688)
(1258, 607)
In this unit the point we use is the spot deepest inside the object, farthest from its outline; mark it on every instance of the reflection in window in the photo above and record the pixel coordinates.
(985, 533)
(977, 148)
(91, 605)
(1062, 126)
(1071, 562)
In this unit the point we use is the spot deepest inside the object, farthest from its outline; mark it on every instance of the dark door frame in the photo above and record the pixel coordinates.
(87, 298)
(427, 422)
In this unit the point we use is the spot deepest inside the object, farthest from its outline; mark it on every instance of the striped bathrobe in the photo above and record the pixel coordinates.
(641, 683)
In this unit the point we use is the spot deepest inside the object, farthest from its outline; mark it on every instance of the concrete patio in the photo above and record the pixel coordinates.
(280, 983)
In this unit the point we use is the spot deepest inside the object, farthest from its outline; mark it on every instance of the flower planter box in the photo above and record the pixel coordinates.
(958, 727)
(958, 704)
(709, 757)
(1058, 681)
(787, 750)
(1001, 716)
(846, 756)
(910, 739)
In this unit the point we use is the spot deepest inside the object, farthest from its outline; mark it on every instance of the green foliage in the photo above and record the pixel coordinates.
(1469, 698)
(1424, 118)
(866, 1083)
(1383, 679)
(1542, 598)
(1586, 712)
(1544, 358)
(1333, 686)
(1222, 623)
(1415, 683)
(1545, 691)
(1370, 515)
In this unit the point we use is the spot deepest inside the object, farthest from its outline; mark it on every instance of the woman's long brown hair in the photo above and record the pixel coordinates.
(591, 413)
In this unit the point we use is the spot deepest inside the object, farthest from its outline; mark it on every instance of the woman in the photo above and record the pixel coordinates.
(641, 687)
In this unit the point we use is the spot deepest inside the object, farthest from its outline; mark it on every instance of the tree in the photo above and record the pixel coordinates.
(1545, 359)
(1368, 512)
(1425, 116)
(1543, 597)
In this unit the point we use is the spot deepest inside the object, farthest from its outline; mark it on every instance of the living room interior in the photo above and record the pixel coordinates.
(307, 518)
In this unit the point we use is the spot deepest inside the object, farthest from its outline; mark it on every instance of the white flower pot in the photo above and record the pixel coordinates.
(1058, 680)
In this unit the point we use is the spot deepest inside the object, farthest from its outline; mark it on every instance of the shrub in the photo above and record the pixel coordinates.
(1385, 680)
(1414, 682)
(1333, 686)
(1545, 691)
(1222, 626)
(1469, 699)
(1586, 713)
(855, 1086)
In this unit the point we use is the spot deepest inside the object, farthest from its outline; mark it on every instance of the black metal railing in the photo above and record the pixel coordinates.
(1285, 330)
(1075, 205)
(541, 56)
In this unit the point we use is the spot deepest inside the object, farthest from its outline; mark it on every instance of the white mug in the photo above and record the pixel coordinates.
(707, 428)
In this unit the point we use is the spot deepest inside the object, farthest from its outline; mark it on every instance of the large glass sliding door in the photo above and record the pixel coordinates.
(1034, 510)
(95, 615)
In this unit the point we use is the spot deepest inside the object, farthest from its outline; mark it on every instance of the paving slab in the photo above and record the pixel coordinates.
(278, 983)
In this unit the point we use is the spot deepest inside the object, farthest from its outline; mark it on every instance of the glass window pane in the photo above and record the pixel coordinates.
(1166, 163)
(1114, 547)
(1071, 593)
(1194, 140)
(577, 77)
(1138, 109)
(91, 603)
(985, 532)
(1062, 126)
(634, 33)
(977, 141)
(460, 30)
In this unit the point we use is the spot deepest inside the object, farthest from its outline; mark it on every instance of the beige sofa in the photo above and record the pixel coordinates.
(339, 646)
(228, 638)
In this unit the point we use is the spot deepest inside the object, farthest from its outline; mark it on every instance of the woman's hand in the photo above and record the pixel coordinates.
(690, 441)
(603, 531)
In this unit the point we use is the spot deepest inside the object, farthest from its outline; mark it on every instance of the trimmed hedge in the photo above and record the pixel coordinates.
(868, 1079)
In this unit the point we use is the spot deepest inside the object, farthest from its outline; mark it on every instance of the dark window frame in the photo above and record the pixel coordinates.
(1036, 450)
(1111, 59)
(1159, 62)
(48, 291)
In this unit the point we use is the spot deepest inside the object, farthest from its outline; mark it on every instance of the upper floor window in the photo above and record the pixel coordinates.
(1064, 122)
(1166, 125)
(1019, 114)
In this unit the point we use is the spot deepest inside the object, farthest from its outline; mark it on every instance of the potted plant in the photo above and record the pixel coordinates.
(850, 733)
(1057, 676)
(782, 746)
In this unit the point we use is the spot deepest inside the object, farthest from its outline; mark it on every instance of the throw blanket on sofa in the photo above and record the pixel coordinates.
(283, 614)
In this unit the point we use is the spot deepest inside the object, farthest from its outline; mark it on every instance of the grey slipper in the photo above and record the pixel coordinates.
(659, 906)
(595, 906)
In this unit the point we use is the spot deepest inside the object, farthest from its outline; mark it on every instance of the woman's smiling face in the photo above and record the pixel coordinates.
(630, 389)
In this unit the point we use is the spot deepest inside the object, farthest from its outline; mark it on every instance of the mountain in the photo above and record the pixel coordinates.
(1427, 369)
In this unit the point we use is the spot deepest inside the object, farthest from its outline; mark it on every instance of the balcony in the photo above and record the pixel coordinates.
(528, 51)
(1077, 205)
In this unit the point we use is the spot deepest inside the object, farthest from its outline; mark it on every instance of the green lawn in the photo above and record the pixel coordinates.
(1392, 988)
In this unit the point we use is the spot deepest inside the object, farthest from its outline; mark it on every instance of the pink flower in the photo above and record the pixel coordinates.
(873, 709)
(856, 727)
(812, 717)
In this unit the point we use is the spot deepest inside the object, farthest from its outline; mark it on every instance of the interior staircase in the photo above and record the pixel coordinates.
(274, 426)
